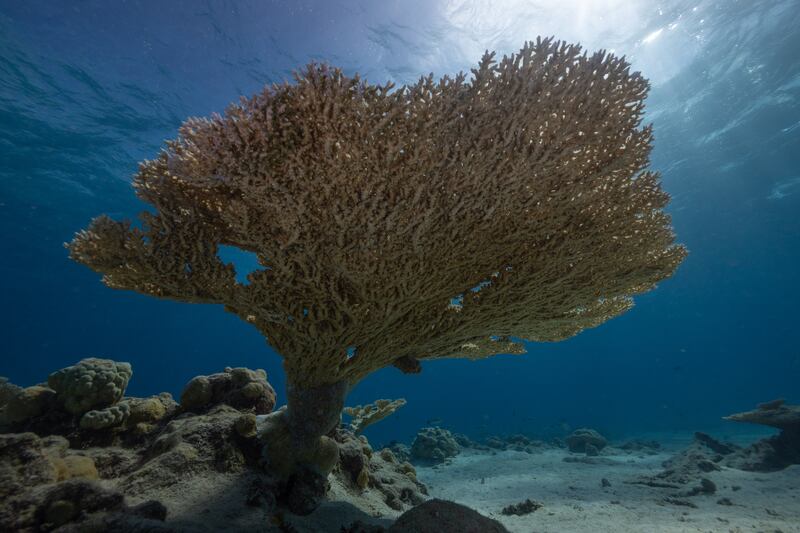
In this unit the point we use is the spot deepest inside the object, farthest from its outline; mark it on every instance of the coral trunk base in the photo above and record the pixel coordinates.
(314, 412)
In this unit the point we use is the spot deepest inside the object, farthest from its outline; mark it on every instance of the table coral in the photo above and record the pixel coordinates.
(448, 218)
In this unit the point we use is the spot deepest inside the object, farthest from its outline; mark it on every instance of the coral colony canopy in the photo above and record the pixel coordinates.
(436, 220)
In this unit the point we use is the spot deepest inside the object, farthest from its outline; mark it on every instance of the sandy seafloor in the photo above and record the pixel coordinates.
(574, 499)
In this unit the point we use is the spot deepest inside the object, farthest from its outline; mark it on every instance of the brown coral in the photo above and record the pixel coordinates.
(442, 219)
(366, 415)
(370, 210)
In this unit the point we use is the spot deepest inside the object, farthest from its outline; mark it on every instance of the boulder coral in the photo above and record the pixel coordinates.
(449, 218)
(90, 384)
(241, 388)
(586, 441)
(434, 444)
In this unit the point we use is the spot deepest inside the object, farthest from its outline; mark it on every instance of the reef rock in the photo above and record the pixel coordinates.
(7, 390)
(434, 444)
(440, 516)
(240, 388)
(773, 453)
(45, 485)
(21, 405)
(192, 446)
(586, 441)
(382, 473)
(400, 450)
(91, 384)
(80, 472)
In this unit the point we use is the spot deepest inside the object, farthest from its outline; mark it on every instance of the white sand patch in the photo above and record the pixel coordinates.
(575, 500)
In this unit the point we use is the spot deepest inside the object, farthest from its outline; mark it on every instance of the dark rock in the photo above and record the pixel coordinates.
(439, 516)
(591, 450)
(151, 509)
(352, 457)
(522, 508)
(73, 500)
(637, 445)
(679, 502)
(706, 487)
(724, 501)
(605, 483)
(305, 491)
(713, 444)
(360, 527)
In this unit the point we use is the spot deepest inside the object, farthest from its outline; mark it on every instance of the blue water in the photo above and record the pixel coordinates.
(88, 89)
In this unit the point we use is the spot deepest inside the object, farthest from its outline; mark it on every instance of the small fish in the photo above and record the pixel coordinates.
(434, 422)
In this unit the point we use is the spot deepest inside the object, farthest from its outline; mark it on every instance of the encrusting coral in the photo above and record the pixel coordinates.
(366, 415)
(442, 219)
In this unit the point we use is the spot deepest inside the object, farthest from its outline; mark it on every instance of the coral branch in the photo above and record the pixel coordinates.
(366, 415)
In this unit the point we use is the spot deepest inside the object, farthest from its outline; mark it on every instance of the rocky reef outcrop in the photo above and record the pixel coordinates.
(78, 455)
(776, 452)
(434, 444)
